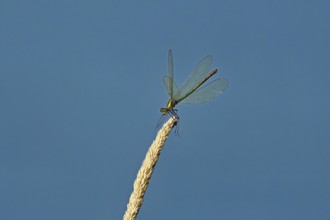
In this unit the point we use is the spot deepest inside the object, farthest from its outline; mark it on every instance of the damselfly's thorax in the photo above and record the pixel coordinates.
(171, 103)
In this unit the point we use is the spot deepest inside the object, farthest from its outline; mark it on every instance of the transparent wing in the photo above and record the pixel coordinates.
(207, 92)
(169, 83)
(170, 86)
(200, 72)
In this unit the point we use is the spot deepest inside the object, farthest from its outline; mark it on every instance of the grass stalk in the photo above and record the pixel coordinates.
(143, 177)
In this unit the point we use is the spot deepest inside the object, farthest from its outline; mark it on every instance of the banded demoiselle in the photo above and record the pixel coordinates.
(191, 91)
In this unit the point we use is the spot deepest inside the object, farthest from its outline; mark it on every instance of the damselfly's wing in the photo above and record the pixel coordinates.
(200, 72)
(207, 92)
(170, 86)
(169, 81)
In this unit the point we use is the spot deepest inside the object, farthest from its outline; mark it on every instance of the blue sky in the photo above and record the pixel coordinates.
(81, 88)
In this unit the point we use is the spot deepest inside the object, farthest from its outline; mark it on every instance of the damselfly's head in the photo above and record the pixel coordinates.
(169, 107)
(164, 111)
